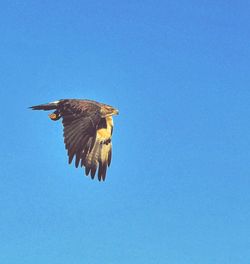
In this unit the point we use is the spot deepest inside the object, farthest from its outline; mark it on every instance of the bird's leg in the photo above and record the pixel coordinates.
(54, 116)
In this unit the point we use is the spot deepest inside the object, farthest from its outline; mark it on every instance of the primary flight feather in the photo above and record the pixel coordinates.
(88, 127)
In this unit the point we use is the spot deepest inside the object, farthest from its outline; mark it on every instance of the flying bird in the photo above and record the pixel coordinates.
(88, 128)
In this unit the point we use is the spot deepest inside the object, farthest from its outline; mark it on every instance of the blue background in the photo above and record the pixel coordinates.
(177, 190)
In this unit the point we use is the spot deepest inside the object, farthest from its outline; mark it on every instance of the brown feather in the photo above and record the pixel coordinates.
(88, 127)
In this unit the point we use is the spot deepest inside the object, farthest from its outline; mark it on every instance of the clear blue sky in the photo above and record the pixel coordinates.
(178, 188)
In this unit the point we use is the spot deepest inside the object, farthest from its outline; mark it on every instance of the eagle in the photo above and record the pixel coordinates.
(88, 127)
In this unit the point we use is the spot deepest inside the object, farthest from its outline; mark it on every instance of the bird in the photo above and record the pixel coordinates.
(87, 130)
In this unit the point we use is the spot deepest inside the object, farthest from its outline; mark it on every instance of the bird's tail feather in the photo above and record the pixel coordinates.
(49, 106)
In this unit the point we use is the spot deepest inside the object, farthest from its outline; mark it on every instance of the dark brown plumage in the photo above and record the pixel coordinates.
(88, 127)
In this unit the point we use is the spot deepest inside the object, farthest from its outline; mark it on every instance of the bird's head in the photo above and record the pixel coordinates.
(109, 110)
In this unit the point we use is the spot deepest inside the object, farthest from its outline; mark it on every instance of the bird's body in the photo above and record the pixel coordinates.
(88, 127)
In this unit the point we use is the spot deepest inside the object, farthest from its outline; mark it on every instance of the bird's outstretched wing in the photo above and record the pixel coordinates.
(87, 136)
(80, 121)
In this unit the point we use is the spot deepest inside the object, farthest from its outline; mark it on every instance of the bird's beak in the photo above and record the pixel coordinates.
(116, 112)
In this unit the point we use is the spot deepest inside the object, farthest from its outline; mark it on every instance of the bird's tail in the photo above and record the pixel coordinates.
(49, 106)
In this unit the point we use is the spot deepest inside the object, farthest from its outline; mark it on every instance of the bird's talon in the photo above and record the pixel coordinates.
(53, 116)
